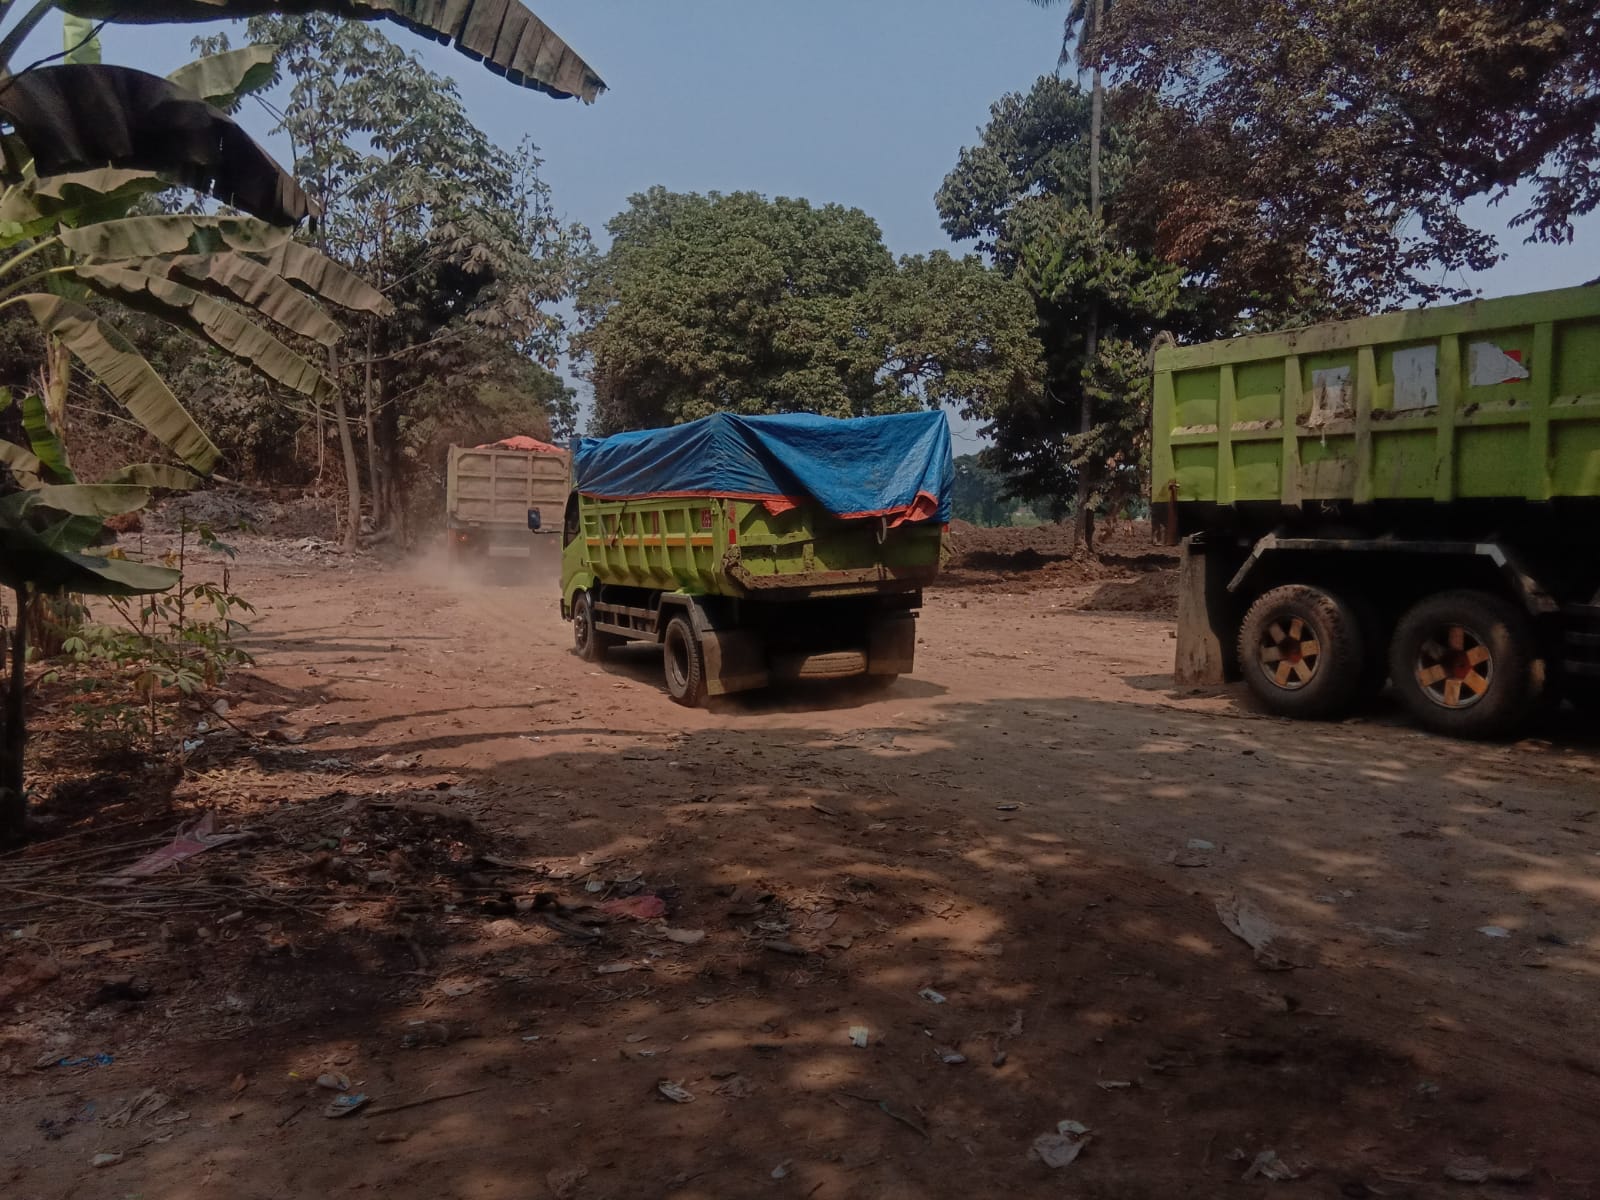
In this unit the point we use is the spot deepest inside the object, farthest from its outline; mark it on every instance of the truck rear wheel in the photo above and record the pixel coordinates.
(590, 644)
(685, 666)
(1467, 664)
(1302, 652)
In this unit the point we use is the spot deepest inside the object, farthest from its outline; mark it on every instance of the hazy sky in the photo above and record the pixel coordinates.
(865, 104)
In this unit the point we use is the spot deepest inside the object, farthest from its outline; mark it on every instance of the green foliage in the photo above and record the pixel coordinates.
(981, 495)
(1021, 194)
(1355, 130)
(708, 303)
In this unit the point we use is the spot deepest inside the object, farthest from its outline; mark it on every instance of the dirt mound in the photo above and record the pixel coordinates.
(1126, 573)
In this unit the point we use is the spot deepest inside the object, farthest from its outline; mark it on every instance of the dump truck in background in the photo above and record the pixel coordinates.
(758, 550)
(1411, 498)
(499, 496)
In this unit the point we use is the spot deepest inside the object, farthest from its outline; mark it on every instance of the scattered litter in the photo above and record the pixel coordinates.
(149, 1106)
(1267, 1165)
(999, 1059)
(595, 886)
(640, 908)
(675, 1092)
(883, 1107)
(1007, 807)
(343, 1106)
(98, 1060)
(334, 1083)
(389, 1139)
(949, 1057)
(616, 968)
(190, 745)
(1481, 1170)
(1275, 951)
(105, 1160)
(395, 762)
(931, 996)
(187, 843)
(462, 988)
(635, 1038)
(1494, 931)
(1112, 1085)
(684, 937)
(1014, 1029)
(859, 1036)
(1200, 844)
(783, 947)
(824, 810)
(781, 1171)
(1061, 1148)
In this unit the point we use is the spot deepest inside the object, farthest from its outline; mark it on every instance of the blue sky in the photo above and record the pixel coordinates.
(865, 104)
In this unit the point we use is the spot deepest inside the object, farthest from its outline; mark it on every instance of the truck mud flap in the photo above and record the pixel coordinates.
(892, 645)
(735, 661)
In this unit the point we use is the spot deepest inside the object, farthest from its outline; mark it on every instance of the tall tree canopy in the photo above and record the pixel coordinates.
(741, 303)
(1022, 194)
(1356, 130)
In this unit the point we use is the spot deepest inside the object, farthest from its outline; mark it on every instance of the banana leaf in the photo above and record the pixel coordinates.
(74, 118)
(235, 277)
(124, 373)
(47, 446)
(221, 79)
(225, 328)
(502, 34)
(324, 278)
(141, 237)
(155, 475)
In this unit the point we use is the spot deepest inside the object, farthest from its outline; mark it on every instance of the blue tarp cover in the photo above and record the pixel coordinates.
(896, 466)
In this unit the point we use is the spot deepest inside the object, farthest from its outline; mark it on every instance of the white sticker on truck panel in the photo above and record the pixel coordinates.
(1330, 396)
(1488, 365)
(1416, 378)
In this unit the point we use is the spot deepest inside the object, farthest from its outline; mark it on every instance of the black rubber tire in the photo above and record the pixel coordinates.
(684, 665)
(1317, 686)
(1510, 677)
(587, 641)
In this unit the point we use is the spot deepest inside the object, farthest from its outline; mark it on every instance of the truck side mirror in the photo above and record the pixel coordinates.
(533, 519)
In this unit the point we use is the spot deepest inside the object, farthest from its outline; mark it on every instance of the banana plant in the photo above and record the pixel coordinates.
(47, 533)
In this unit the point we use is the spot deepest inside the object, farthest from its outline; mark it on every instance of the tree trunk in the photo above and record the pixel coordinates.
(352, 470)
(369, 401)
(13, 729)
(1083, 530)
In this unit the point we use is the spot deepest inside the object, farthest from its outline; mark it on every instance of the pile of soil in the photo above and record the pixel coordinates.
(1126, 573)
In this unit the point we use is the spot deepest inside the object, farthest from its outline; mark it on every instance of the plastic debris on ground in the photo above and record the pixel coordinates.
(343, 1106)
(105, 1160)
(639, 908)
(675, 1091)
(198, 838)
(684, 937)
(1267, 1165)
(1494, 931)
(1481, 1170)
(931, 996)
(859, 1036)
(1275, 948)
(1061, 1148)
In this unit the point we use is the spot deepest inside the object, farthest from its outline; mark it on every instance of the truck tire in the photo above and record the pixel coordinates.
(589, 643)
(1302, 652)
(1467, 664)
(685, 667)
(832, 664)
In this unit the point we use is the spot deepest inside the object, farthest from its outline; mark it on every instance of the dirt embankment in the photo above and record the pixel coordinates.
(1126, 573)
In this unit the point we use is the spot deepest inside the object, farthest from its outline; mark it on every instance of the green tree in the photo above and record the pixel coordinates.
(709, 303)
(1357, 130)
(460, 235)
(1024, 195)
(980, 496)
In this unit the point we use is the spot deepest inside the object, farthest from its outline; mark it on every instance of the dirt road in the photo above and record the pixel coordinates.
(1007, 876)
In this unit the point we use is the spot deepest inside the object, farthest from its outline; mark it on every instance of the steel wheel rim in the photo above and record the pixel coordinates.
(1454, 667)
(1289, 653)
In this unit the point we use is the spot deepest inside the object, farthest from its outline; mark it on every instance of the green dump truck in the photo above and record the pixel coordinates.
(1411, 498)
(757, 550)
(499, 496)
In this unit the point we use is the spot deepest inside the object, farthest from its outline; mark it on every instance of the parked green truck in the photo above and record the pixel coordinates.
(758, 550)
(1411, 498)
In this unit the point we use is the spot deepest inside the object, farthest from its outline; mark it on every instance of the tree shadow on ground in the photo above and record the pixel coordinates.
(985, 887)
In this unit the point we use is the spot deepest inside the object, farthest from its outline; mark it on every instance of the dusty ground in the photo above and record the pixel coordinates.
(1035, 826)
